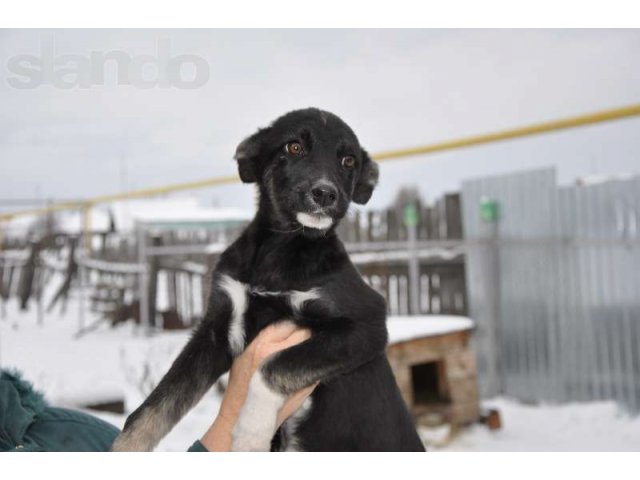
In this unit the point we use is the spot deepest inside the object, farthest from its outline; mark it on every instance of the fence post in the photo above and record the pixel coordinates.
(4, 292)
(411, 222)
(26, 287)
(38, 291)
(154, 267)
(490, 217)
(143, 277)
(82, 282)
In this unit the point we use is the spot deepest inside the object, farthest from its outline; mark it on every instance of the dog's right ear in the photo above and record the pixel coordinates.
(248, 156)
(367, 180)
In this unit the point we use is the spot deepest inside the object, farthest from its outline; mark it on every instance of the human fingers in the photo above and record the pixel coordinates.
(276, 332)
(298, 336)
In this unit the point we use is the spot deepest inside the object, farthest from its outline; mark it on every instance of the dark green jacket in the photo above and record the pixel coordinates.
(28, 423)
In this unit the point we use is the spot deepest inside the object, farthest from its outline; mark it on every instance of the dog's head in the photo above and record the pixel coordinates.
(309, 166)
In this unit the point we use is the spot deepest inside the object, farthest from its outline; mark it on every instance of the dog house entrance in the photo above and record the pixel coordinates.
(429, 385)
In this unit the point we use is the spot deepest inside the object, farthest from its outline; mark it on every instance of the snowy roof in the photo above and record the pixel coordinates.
(360, 258)
(173, 211)
(73, 222)
(402, 329)
(183, 211)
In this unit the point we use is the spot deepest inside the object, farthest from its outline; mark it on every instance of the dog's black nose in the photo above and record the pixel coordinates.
(324, 195)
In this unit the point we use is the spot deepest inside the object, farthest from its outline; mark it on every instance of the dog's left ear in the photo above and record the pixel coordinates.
(367, 179)
(248, 156)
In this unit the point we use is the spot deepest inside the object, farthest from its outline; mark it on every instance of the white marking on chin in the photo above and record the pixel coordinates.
(237, 292)
(256, 424)
(317, 221)
(298, 297)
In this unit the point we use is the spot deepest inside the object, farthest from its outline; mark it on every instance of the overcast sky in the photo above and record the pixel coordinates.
(395, 88)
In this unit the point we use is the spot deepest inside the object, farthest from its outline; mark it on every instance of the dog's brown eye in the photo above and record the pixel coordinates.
(348, 161)
(293, 148)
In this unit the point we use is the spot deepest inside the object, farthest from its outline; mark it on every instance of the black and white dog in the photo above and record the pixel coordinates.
(290, 264)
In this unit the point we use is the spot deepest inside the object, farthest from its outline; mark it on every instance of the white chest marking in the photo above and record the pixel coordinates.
(238, 295)
(237, 292)
(297, 297)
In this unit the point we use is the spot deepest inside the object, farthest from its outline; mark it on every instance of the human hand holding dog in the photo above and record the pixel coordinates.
(270, 340)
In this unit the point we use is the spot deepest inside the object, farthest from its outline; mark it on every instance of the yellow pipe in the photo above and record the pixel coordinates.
(149, 192)
(535, 129)
(146, 192)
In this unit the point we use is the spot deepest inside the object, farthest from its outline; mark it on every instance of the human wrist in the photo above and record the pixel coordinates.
(218, 437)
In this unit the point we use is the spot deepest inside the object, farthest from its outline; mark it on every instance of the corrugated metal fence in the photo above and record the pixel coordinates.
(554, 284)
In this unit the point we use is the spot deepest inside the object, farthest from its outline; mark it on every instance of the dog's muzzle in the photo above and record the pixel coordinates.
(322, 197)
(318, 221)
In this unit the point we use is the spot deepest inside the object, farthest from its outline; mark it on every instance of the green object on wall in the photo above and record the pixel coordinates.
(410, 215)
(489, 210)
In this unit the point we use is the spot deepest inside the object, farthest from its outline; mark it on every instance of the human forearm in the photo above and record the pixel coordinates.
(218, 437)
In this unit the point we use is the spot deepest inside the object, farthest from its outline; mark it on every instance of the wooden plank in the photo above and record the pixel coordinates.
(442, 344)
(154, 268)
(370, 217)
(453, 212)
(26, 285)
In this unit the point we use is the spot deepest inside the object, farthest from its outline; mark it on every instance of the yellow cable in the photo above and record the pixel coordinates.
(535, 129)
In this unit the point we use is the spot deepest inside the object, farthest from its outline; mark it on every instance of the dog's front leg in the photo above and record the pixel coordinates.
(195, 370)
(206, 356)
(256, 424)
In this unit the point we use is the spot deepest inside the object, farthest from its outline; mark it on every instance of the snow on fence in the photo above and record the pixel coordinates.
(554, 287)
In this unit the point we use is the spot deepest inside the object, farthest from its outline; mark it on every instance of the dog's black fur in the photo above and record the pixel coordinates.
(357, 405)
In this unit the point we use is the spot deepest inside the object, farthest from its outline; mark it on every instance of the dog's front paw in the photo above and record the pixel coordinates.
(142, 431)
(244, 440)
(255, 428)
(128, 442)
(257, 422)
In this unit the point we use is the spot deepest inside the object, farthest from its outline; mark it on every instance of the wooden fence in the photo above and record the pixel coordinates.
(377, 242)
(176, 265)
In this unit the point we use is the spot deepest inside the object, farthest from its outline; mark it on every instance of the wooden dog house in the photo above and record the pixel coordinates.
(435, 367)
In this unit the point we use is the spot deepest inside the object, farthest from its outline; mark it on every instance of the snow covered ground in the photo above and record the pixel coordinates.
(122, 363)
(571, 427)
